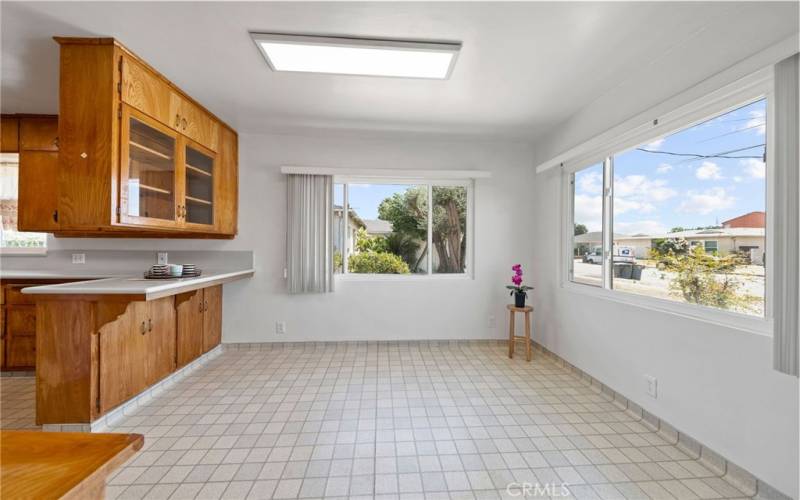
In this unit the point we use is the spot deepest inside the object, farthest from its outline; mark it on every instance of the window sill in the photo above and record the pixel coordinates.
(402, 278)
(23, 251)
(759, 326)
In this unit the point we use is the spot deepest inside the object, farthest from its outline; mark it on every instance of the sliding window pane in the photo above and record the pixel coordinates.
(690, 214)
(587, 214)
(449, 232)
(389, 227)
(339, 243)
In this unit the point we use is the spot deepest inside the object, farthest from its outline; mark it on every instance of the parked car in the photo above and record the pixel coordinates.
(621, 254)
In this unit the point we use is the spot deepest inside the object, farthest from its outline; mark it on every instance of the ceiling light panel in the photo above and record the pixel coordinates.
(357, 56)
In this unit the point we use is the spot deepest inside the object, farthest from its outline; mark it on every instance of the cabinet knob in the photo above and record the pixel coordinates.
(177, 121)
(206, 306)
(183, 123)
(143, 328)
(149, 325)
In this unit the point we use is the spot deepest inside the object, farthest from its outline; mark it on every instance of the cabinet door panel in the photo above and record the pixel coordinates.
(145, 91)
(38, 191)
(193, 122)
(20, 351)
(200, 171)
(189, 307)
(212, 317)
(148, 179)
(123, 350)
(160, 339)
(227, 183)
(21, 320)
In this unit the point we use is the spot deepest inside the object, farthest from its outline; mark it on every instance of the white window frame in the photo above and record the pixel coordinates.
(747, 90)
(469, 184)
(716, 245)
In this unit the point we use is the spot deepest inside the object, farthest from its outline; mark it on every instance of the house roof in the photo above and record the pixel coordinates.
(730, 232)
(378, 226)
(594, 237)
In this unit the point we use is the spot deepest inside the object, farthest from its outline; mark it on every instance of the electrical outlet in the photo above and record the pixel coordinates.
(652, 386)
(163, 257)
(285, 273)
(79, 258)
(280, 327)
(491, 322)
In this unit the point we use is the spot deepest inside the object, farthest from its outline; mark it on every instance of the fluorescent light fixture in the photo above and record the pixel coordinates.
(357, 56)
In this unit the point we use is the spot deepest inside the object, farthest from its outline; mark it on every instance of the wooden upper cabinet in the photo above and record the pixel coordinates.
(144, 90)
(38, 173)
(9, 134)
(193, 122)
(128, 138)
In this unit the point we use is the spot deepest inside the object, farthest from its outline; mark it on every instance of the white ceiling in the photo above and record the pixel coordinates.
(523, 68)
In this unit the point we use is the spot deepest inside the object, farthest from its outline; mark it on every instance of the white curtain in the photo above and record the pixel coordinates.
(787, 216)
(309, 241)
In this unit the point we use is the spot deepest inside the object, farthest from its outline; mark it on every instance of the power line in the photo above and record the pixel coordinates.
(723, 154)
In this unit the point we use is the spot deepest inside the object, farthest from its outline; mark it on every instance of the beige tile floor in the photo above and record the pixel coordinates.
(412, 420)
(18, 403)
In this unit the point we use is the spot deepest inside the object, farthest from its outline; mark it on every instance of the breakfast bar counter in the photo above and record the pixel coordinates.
(101, 343)
(139, 287)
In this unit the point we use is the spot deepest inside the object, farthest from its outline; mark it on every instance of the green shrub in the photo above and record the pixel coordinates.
(376, 263)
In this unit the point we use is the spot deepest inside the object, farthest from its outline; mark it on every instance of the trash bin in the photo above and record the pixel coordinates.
(625, 271)
(618, 270)
(636, 272)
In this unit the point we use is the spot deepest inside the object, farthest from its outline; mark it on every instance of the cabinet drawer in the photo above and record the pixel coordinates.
(144, 90)
(20, 320)
(193, 122)
(13, 295)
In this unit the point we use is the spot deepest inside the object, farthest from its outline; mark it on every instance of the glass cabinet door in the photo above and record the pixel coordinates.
(148, 182)
(199, 188)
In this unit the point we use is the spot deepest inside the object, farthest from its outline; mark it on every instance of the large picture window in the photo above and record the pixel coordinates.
(683, 217)
(401, 228)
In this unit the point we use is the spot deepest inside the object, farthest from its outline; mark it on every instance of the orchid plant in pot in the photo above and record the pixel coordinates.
(518, 290)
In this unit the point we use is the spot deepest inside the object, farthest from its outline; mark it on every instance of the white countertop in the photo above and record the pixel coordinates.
(66, 275)
(136, 285)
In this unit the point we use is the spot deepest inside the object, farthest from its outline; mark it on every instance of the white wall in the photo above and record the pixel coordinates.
(373, 310)
(716, 384)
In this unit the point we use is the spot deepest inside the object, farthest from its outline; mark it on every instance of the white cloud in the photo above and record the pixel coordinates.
(754, 168)
(640, 227)
(737, 178)
(590, 182)
(640, 188)
(757, 121)
(655, 144)
(664, 168)
(708, 171)
(589, 211)
(706, 202)
(622, 205)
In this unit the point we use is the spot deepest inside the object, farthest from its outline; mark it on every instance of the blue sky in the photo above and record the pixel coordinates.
(654, 192)
(365, 198)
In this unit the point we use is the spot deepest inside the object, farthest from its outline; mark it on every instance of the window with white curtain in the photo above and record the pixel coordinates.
(11, 240)
(681, 216)
(402, 227)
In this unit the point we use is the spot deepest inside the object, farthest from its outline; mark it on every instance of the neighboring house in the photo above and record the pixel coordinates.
(753, 219)
(377, 227)
(722, 240)
(353, 225)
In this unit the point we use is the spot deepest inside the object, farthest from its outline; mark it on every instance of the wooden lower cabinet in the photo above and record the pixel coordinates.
(135, 351)
(212, 317)
(189, 307)
(18, 325)
(199, 326)
(94, 353)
